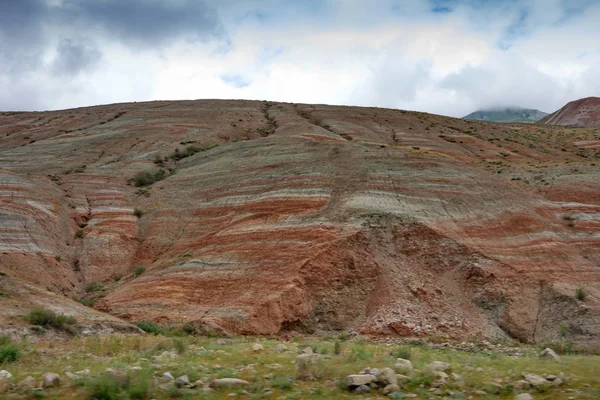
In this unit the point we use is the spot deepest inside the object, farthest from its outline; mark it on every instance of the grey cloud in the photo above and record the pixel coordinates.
(143, 22)
(73, 58)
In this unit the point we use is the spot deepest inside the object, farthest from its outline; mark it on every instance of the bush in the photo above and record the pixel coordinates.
(188, 329)
(50, 319)
(139, 270)
(117, 278)
(138, 212)
(105, 388)
(580, 294)
(147, 178)
(79, 233)
(281, 382)
(149, 327)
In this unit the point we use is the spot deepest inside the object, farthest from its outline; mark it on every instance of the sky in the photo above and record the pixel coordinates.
(448, 57)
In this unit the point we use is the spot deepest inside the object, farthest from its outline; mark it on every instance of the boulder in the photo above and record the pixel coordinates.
(27, 384)
(402, 379)
(535, 380)
(358, 380)
(362, 389)
(228, 383)
(403, 366)
(167, 377)
(5, 374)
(549, 354)
(182, 381)
(438, 366)
(51, 380)
(281, 347)
(524, 396)
(386, 377)
(522, 385)
(390, 389)
(257, 347)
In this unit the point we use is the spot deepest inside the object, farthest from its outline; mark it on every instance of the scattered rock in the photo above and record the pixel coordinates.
(535, 380)
(228, 383)
(403, 366)
(524, 396)
(5, 374)
(308, 350)
(438, 366)
(358, 380)
(549, 354)
(167, 377)
(182, 381)
(362, 389)
(257, 347)
(390, 389)
(402, 379)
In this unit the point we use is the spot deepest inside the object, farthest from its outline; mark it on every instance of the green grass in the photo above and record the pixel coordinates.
(207, 359)
(8, 352)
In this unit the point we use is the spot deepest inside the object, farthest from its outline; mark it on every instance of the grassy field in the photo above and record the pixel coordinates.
(137, 363)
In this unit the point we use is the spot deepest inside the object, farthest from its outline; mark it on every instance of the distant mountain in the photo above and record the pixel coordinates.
(582, 112)
(508, 114)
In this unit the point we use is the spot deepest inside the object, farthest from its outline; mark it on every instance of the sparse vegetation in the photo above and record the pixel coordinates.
(139, 270)
(80, 170)
(580, 294)
(189, 151)
(138, 212)
(147, 178)
(94, 287)
(79, 233)
(8, 351)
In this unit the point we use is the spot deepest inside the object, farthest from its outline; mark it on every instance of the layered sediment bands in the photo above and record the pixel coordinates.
(302, 217)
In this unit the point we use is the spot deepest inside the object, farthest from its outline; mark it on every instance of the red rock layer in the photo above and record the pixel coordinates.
(582, 112)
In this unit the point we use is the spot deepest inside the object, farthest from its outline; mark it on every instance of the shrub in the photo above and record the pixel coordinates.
(337, 347)
(188, 329)
(147, 178)
(138, 212)
(139, 270)
(141, 191)
(580, 294)
(401, 352)
(189, 151)
(94, 287)
(57, 258)
(80, 170)
(117, 278)
(149, 327)
(8, 351)
(3, 294)
(50, 319)
(79, 233)
(105, 387)
(85, 302)
(281, 382)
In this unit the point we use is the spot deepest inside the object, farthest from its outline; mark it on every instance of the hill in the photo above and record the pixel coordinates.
(583, 113)
(262, 218)
(508, 114)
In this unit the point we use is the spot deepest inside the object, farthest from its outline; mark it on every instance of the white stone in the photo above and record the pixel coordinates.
(403, 366)
(5, 374)
(549, 354)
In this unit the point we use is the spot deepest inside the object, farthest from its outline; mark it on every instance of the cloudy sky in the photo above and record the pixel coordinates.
(442, 56)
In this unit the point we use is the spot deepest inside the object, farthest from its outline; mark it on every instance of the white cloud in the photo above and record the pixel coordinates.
(538, 54)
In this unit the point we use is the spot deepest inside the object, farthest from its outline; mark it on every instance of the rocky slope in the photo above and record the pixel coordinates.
(583, 112)
(303, 217)
(508, 114)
